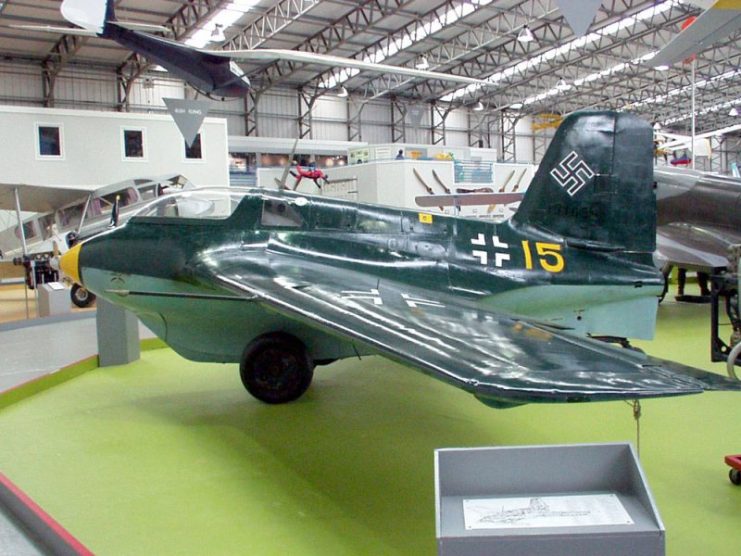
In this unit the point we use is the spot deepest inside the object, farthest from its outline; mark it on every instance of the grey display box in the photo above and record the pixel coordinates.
(53, 299)
(544, 471)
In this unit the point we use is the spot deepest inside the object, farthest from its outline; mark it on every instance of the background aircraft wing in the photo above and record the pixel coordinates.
(468, 199)
(694, 247)
(721, 20)
(56, 30)
(39, 198)
(502, 360)
(271, 55)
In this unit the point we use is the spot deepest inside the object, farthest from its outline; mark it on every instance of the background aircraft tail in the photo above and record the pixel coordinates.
(89, 14)
(595, 184)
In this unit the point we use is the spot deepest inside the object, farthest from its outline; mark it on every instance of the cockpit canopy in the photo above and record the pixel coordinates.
(212, 204)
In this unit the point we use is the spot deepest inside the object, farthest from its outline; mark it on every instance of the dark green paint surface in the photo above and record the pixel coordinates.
(498, 310)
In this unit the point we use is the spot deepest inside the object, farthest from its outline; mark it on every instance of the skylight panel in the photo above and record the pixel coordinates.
(222, 19)
(580, 42)
(457, 12)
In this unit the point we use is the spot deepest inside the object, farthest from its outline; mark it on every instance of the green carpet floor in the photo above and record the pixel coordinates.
(165, 456)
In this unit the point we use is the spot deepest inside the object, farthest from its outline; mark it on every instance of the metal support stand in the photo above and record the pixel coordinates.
(118, 335)
(636, 405)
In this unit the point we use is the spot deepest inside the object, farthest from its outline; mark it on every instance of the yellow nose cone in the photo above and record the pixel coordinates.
(70, 263)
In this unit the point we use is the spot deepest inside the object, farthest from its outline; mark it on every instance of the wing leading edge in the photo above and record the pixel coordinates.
(502, 360)
(695, 247)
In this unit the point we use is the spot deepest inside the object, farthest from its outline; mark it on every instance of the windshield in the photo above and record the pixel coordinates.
(202, 204)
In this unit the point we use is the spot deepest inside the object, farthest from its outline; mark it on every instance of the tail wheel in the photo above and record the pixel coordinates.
(82, 297)
(276, 368)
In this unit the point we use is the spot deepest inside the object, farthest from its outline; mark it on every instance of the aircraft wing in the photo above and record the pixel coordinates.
(502, 360)
(271, 55)
(56, 30)
(468, 199)
(675, 140)
(713, 25)
(39, 198)
(694, 247)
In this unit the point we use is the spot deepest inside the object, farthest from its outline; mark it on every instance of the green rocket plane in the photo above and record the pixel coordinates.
(512, 312)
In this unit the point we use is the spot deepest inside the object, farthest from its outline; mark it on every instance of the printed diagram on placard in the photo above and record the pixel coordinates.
(545, 511)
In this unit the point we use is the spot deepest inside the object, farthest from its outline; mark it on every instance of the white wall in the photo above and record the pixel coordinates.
(93, 153)
(390, 182)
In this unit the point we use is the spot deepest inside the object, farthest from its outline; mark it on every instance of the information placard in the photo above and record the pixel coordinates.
(545, 511)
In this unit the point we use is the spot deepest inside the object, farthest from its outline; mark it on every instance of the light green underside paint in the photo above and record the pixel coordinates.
(165, 456)
(600, 310)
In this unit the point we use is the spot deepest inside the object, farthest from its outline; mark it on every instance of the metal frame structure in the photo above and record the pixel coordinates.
(475, 38)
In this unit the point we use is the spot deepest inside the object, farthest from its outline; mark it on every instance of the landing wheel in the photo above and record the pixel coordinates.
(81, 296)
(276, 368)
(735, 476)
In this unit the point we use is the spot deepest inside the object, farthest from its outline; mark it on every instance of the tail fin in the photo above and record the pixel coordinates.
(595, 183)
(89, 14)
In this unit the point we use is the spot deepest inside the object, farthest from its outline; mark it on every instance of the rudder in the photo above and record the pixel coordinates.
(89, 14)
(595, 184)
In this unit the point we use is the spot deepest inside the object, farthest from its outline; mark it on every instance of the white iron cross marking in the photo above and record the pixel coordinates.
(415, 301)
(483, 256)
(572, 173)
(373, 295)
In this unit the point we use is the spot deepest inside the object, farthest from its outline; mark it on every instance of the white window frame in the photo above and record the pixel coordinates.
(37, 141)
(145, 147)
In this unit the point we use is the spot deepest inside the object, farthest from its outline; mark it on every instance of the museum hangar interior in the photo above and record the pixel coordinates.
(240, 239)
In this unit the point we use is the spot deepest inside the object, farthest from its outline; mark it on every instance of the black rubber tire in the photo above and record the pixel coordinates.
(81, 297)
(735, 476)
(276, 368)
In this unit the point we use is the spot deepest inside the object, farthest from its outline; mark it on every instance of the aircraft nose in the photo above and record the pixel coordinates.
(70, 263)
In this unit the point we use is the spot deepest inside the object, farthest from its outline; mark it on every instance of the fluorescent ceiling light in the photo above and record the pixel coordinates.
(662, 68)
(706, 110)
(733, 111)
(422, 63)
(217, 33)
(525, 35)
(478, 107)
(395, 45)
(533, 62)
(699, 84)
(222, 19)
(342, 92)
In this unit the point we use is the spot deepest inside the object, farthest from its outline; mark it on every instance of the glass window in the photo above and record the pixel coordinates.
(29, 230)
(46, 225)
(210, 205)
(125, 197)
(194, 151)
(50, 140)
(278, 213)
(70, 217)
(148, 192)
(133, 140)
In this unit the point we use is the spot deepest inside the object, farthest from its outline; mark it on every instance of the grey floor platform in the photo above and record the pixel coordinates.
(13, 538)
(36, 347)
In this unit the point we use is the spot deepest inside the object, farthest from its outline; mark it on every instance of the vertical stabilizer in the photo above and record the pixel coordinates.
(595, 183)
(88, 14)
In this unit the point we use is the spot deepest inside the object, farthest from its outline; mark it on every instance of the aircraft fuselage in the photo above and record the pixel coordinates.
(389, 256)
(210, 74)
